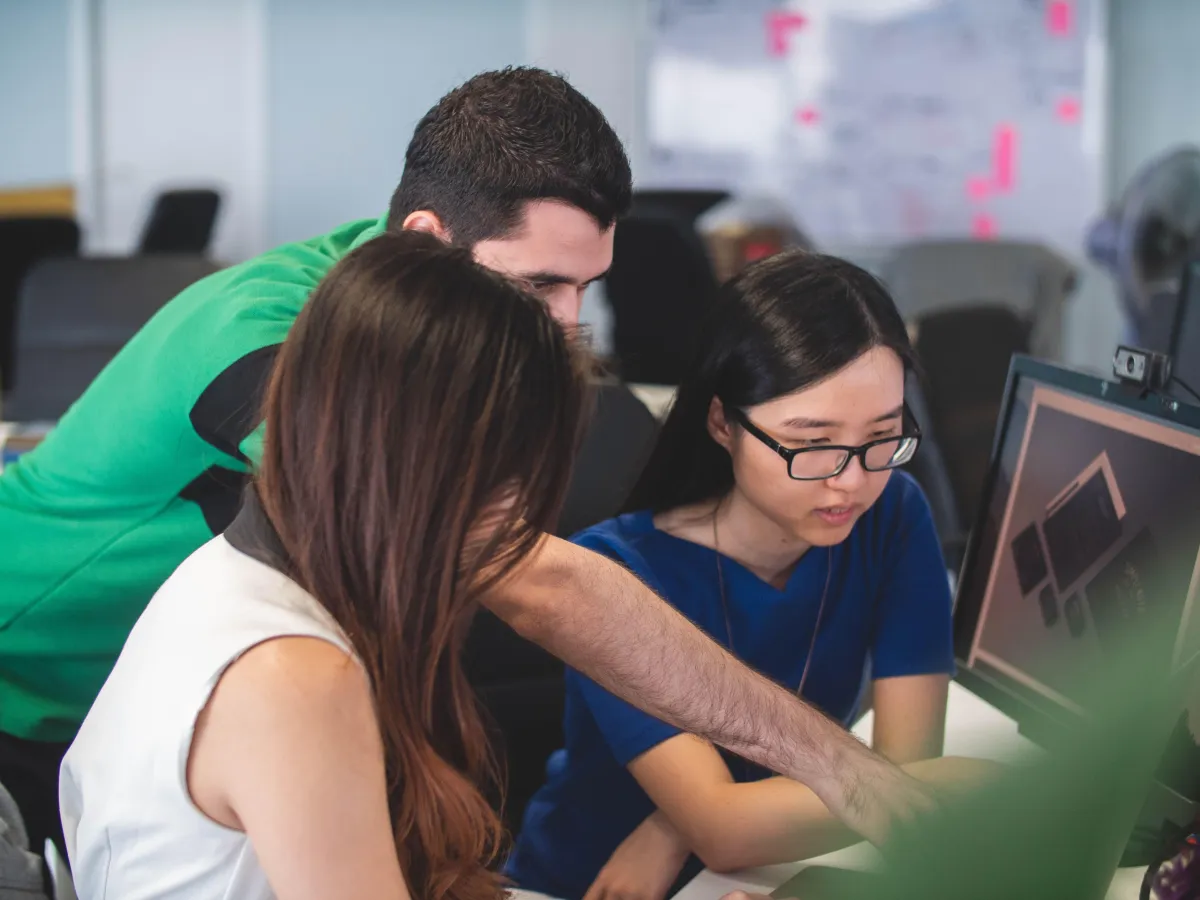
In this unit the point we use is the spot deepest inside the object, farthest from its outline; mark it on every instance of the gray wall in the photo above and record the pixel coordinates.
(1155, 84)
(35, 114)
(347, 83)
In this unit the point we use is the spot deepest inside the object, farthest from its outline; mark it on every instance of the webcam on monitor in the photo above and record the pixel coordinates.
(1145, 369)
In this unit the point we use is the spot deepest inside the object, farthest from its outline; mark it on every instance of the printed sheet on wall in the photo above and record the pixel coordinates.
(883, 121)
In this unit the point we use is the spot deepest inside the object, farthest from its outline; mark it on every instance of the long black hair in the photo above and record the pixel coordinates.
(782, 324)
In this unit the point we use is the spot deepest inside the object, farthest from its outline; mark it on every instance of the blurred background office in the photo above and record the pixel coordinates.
(297, 111)
(1022, 173)
(964, 150)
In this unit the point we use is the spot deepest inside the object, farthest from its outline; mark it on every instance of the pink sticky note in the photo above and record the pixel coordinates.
(808, 115)
(1068, 109)
(1004, 158)
(1058, 17)
(978, 187)
(760, 250)
(780, 25)
(983, 226)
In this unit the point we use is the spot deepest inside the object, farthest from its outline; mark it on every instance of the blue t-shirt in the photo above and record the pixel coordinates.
(887, 614)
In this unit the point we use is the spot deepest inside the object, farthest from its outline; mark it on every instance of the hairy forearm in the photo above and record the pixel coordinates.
(604, 622)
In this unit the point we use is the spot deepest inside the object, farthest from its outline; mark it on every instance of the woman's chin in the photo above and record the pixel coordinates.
(818, 531)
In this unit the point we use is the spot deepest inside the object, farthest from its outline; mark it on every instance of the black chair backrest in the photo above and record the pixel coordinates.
(613, 453)
(965, 353)
(659, 287)
(22, 243)
(928, 467)
(689, 205)
(519, 684)
(181, 222)
(76, 314)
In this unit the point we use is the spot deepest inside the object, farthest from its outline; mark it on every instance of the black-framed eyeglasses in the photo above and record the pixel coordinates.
(825, 461)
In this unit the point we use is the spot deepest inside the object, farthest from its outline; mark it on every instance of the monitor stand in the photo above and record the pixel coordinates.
(1164, 812)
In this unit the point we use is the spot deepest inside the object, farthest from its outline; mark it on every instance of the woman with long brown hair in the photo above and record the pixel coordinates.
(289, 717)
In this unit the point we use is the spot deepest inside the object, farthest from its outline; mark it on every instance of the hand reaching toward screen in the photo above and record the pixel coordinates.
(868, 793)
(644, 866)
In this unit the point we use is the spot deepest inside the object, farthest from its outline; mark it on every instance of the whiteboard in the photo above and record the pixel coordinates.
(882, 121)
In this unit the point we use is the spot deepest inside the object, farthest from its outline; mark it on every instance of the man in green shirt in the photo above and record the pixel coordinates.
(150, 462)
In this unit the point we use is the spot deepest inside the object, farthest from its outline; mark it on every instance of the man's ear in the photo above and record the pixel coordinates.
(428, 221)
(719, 427)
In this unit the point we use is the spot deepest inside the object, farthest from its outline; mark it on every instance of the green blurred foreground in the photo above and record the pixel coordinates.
(1053, 829)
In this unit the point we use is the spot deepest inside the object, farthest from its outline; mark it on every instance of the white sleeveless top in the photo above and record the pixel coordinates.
(132, 830)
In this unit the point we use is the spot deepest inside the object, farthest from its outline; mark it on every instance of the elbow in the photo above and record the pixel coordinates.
(530, 600)
(525, 612)
(721, 861)
(720, 854)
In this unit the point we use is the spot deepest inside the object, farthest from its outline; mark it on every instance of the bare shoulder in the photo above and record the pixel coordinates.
(297, 687)
(289, 702)
(305, 670)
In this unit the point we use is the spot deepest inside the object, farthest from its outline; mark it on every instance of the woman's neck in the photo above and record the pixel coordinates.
(742, 533)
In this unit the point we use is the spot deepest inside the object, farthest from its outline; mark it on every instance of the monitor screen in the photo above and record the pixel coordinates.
(1185, 333)
(1091, 513)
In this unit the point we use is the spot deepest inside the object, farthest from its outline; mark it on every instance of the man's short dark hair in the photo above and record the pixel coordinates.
(504, 138)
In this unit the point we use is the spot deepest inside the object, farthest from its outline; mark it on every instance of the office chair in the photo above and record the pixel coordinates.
(614, 451)
(965, 354)
(22, 243)
(929, 470)
(20, 865)
(181, 222)
(76, 314)
(1030, 280)
(60, 874)
(519, 684)
(659, 287)
(688, 205)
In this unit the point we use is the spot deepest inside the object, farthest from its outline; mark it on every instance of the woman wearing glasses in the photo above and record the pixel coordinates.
(770, 514)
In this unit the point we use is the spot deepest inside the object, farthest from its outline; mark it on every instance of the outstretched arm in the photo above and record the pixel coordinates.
(733, 826)
(603, 621)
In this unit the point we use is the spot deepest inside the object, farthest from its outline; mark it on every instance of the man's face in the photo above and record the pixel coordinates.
(555, 254)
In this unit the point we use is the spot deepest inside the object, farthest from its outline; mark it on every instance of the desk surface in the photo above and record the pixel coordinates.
(973, 729)
(17, 439)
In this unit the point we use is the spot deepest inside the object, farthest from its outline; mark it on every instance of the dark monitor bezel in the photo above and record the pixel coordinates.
(1181, 307)
(1039, 718)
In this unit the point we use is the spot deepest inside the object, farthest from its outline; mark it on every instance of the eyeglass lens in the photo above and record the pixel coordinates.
(819, 463)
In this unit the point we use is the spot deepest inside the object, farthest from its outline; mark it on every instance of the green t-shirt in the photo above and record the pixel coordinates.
(143, 469)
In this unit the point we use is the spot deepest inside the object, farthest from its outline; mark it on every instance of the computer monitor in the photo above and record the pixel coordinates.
(1090, 514)
(1184, 345)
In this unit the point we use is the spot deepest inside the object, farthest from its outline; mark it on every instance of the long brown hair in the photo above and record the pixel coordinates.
(414, 392)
